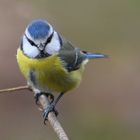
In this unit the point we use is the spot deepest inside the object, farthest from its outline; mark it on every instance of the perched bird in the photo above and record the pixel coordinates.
(50, 63)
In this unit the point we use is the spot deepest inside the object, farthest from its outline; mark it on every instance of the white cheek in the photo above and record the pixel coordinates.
(54, 46)
(29, 50)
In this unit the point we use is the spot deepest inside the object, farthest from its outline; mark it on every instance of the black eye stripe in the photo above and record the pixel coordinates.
(30, 41)
(49, 39)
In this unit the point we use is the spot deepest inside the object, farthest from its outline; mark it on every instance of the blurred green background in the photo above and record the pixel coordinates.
(106, 105)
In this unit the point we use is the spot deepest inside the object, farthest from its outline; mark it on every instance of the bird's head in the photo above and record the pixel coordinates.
(40, 40)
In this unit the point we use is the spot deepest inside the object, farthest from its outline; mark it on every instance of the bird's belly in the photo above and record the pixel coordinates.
(57, 80)
(48, 73)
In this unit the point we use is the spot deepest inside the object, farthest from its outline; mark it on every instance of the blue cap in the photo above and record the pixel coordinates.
(39, 29)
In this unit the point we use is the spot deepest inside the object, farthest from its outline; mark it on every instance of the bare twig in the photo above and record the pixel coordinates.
(14, 89)
(55, 124)
(53, 120)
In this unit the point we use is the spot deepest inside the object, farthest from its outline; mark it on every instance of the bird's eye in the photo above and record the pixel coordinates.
(30, 41)
(49, 39)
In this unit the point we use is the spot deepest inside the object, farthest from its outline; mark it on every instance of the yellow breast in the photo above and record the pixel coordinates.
(49, 73)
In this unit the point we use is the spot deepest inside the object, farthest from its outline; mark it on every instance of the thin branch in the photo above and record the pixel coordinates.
(55, 124)
(53, 120)
(14, 89)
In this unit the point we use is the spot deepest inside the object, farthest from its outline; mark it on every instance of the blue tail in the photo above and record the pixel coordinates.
(95, 55)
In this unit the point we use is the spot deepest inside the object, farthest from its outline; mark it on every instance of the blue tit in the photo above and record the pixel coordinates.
(50, 63)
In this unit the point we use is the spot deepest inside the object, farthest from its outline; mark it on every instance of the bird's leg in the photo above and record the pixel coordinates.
(51, 107)
(48, 95)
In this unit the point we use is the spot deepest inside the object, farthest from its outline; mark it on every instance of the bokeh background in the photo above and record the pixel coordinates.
(106, 106)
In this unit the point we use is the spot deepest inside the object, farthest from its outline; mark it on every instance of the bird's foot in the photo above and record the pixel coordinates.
(50, 108)
(48, 95)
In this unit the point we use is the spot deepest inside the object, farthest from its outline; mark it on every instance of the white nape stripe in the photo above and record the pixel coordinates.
(28, 49)
(54, 46)
(51, 30)
(27, 34)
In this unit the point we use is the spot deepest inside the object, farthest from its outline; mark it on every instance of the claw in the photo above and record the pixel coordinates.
(50, 108)
(49, 95)
(37, 98)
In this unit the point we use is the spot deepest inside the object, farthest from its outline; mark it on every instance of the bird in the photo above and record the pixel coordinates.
(51, 64)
